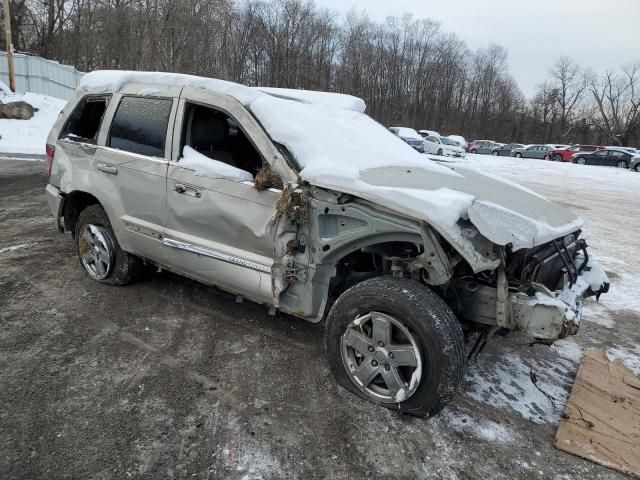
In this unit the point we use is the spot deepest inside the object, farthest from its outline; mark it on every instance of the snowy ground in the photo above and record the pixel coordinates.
(607, 199)
(168, 378)
(28, 136)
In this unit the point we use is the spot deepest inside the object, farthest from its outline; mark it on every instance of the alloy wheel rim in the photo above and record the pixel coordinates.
(96, 251)
(621, 164)
(381, 357)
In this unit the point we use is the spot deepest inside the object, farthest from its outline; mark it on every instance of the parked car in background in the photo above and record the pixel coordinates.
(461, 140)
(505, 150)
(483, 146)
(635, 163)
(428, 133)
(443, 146)
(554, 147)
(410, 136)
(565, 154)
(631, 150)
(532, 151)
(611, 157)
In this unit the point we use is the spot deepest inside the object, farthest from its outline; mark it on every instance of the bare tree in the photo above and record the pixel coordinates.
(617, 97)
(569, 83)
(409, 71)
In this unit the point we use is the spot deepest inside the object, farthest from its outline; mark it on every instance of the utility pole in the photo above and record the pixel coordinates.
(7, 31)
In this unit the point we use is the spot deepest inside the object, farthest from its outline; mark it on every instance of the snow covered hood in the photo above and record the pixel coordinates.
(337, 146)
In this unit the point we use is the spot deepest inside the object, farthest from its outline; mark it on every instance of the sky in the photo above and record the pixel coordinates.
(601, 35)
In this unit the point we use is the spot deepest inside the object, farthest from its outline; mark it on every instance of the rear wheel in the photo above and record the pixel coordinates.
(439, 151)
(637, 167)
(473, 150)
(99, 252)
(395, 343)
(557, 157)
(495, 153)
(621, 164)
(518, 155)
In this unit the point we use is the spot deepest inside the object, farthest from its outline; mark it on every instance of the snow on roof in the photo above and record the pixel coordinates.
(406, 132)
(321, 130)
(327, 99)
(113, 80)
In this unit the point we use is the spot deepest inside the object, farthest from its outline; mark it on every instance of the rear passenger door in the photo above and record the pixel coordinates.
(132, 161)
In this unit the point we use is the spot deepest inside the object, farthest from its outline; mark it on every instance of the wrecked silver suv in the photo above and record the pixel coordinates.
(300, 201)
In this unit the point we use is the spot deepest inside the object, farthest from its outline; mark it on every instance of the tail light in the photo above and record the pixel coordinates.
(48, 160)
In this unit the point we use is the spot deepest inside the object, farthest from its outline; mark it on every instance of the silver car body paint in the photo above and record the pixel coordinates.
(229, 234)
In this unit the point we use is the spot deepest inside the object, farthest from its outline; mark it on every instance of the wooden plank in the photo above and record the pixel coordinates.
(602, 417)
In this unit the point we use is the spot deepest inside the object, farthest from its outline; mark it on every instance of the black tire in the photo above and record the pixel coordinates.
(518, 155)
(495, 153)
(622, 164)
(581, 161)
(124, 267)
(637, 167)
(557, 157)
(439, 151)
(473, 150)
(432, 324)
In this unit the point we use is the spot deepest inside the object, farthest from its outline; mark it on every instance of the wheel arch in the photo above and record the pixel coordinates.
(330, 281)
(74, 203)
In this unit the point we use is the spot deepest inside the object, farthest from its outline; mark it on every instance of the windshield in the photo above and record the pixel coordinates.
(334, 139)
(446, 141)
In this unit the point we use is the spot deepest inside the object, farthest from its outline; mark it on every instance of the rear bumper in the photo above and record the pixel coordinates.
(56, 203)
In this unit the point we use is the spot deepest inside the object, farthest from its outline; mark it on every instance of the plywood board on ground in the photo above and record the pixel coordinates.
(602, 417)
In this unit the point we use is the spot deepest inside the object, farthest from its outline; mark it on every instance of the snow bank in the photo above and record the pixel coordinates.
(29, 136)
(204, 166)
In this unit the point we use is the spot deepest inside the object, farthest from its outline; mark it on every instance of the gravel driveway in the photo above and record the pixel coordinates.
(168, 378)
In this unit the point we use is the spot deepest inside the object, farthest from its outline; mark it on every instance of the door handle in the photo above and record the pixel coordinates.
(187, 190)
(107, 168)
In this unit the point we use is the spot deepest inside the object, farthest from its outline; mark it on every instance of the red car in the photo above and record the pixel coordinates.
(565, 154)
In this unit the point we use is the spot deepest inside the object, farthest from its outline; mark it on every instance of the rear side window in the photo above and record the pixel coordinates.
(140, 125)
(84, 123)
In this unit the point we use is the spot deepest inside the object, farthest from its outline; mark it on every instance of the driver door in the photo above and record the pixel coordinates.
(220, 229)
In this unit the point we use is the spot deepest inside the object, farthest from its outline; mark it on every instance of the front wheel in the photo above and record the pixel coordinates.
(581, 161)
(518, 155)
(439, 151)
(99, 251)
(473, 150)
(495, 153)
(395, 343)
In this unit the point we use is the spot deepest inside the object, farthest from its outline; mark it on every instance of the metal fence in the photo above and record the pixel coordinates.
(39, 75)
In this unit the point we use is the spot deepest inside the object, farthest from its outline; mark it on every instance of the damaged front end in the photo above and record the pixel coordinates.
(538, 290)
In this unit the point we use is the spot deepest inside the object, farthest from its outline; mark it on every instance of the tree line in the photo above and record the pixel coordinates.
(409, 71)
